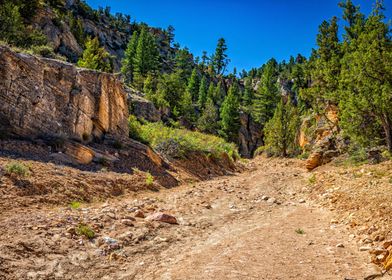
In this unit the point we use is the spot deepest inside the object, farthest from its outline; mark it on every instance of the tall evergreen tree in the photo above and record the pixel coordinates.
(128, 62)
(248, 95)
(95, 57)
(367, 84)
(208, 121)
(230, 117)
(325, 67)
(202, 98)
(354, 18)
(186, 107)
(193, 84)
(11, 23)
(266, 96)
(220, 59)
(219, 93)
(281, 131)
(146, 57)
(211, 90)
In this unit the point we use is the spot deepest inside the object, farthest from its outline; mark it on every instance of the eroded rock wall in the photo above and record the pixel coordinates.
(43, 97)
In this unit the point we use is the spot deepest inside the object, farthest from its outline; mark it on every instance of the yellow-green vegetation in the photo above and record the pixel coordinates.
(177, 142)
(300, 231)
(312, 179)
(18, 169)
(85, 230)
(149, 179)
(75, 205)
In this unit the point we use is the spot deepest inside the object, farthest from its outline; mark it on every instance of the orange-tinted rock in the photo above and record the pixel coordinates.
(162, 217)
(47, 98)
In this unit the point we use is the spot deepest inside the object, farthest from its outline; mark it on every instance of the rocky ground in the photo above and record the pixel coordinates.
(273, 221)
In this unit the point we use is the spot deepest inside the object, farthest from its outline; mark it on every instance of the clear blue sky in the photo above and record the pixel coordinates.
(254, 30)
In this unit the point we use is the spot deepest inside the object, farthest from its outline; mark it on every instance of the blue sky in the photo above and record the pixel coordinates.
(254, 30)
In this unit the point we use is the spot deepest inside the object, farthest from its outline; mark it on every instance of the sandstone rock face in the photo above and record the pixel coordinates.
(323, 141)
(250, 136)
(48, 98)
(142, 108)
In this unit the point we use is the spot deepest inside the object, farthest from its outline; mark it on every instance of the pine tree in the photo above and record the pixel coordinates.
(366, 84)
(208, 121)
(95, 57)
(77, 29)
(220, 60)
(211, 90)
(325, 66)
(193, 84)
(146, 57)
(248, 95)
(186, 106)
(266, 96)
(282, 130)
(230, 118)
(183, 65)
(354, 18)
(11, 23)
(149, 88)
(128, 62)
(202, 98)
(219, 94)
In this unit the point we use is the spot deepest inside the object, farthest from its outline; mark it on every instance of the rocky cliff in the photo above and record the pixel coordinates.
(44, 98)
(250, 136)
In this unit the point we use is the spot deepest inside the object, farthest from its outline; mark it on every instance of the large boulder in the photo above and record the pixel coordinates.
(48, 98)
(142, 108)
(320, 135)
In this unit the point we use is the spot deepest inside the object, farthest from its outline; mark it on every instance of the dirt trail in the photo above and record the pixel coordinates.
(227, 230)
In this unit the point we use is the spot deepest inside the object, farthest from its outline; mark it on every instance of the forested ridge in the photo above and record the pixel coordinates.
(350, 69)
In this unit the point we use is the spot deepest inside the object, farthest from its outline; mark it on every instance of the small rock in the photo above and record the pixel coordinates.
(302, 200)
(386, 244)
(264, 197)
(340, 245)
(334, 221)
(139, 214)
(162, 217)
(127, 222)
(365, 248)
(367, 241)
(378, 251)
(374, 273)
(272, 200)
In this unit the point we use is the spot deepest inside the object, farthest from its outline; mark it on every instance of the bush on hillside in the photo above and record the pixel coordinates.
(177, 142)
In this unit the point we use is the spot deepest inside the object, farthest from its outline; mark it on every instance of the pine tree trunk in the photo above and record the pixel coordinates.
(387, 125)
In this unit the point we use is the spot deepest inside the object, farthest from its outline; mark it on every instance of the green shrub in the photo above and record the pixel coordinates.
(312, 179)
(84, 230)
(18, 169)
(149, 179)
(75, 205)
(177, 143)
(135, 128)
(44, 51)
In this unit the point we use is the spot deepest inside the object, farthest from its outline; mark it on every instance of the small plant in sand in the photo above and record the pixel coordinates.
(85, 230)
(18, 169)
(149, 179)
(312, 179)
(75, 205)
(299, 231)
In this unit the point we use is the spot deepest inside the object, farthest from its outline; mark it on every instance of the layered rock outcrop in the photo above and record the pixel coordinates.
(47, 98)
(320, 135)
(250, 136)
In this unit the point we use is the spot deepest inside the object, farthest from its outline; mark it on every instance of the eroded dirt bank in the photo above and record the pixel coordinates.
(260, 224)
